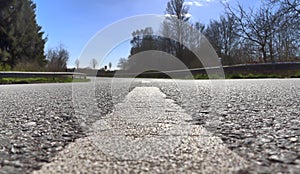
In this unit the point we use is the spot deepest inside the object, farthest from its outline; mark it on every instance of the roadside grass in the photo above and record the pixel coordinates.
(39, 80)
(252, 76)
(201, 76)
(248, 76)
(296, 75)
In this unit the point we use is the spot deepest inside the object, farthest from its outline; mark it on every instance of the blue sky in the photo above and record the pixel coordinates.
(74, 22)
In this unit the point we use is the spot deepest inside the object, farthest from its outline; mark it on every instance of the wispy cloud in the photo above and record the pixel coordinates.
(200, 3)
(193, 3)
(189, 3)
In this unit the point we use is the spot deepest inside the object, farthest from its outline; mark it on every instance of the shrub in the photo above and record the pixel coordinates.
(28, 66)
(5, 67)
(57, 59)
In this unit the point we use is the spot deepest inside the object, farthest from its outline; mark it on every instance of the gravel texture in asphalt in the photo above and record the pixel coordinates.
(257, 119)
(146, 133)
(39, 120)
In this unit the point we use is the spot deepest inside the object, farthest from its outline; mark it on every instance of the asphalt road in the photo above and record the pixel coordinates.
(146, 133)
(257, 119)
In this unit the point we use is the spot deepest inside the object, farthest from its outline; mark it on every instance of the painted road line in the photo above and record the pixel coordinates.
(146, 133)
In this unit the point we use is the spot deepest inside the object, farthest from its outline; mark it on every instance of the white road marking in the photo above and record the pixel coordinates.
(146, 133)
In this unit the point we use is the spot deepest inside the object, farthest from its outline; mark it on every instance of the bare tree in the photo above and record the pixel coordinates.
(57, 58)
(94, 63)
(123, 63)
(287, 39)
(176, 13)
(288, 6)
(77, 63)
(223, 36)
(257, 26)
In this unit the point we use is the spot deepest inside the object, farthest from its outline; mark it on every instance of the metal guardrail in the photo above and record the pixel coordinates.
(18, 74)
(286, 64)
(264, 68)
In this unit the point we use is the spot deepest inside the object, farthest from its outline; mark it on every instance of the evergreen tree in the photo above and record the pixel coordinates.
(21, 38)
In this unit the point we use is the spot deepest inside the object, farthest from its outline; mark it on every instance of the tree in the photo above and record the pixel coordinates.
(175, 31)
(109, 65)
(21, 37)
(142, 40)
(122, 64)
(180, 36)
(57, 58)
(223, 36)
(176, 13)
(273, 30)
(77, 62)
(288, 6)
(94, 63)
(257, 26)
(287, 39)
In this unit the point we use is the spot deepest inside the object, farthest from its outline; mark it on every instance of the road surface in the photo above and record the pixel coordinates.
(257, 120)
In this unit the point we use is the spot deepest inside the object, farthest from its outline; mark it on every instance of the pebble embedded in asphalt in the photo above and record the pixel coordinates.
(257, 119)
(146, 133)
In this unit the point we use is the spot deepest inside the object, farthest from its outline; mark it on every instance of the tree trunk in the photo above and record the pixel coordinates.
(271, 51)
(263, 49)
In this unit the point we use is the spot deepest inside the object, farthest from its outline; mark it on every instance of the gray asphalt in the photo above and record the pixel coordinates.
(257, 119)
(146, 133)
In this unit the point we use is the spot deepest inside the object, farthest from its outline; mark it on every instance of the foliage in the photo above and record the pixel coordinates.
(272, 33)
(39, 80)
(223, 36)
(268, 33)
(296, 75)
(252, 76)
(21, 37)
(57, 59)
(5, 67)
(28, 66)
(174, 32)
(201, 76)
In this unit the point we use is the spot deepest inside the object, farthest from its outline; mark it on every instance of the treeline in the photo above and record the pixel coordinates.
(269, 33)
(22, 40)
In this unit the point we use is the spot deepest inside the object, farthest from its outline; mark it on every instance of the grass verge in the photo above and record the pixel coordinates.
(249, 76)
(39, 80)
(252, 76)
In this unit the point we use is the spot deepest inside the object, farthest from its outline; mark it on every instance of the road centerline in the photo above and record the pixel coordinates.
(138, 133)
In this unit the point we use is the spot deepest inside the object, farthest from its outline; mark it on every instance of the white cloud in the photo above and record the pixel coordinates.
(198, 4)
(189, 3)
(188, 15)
